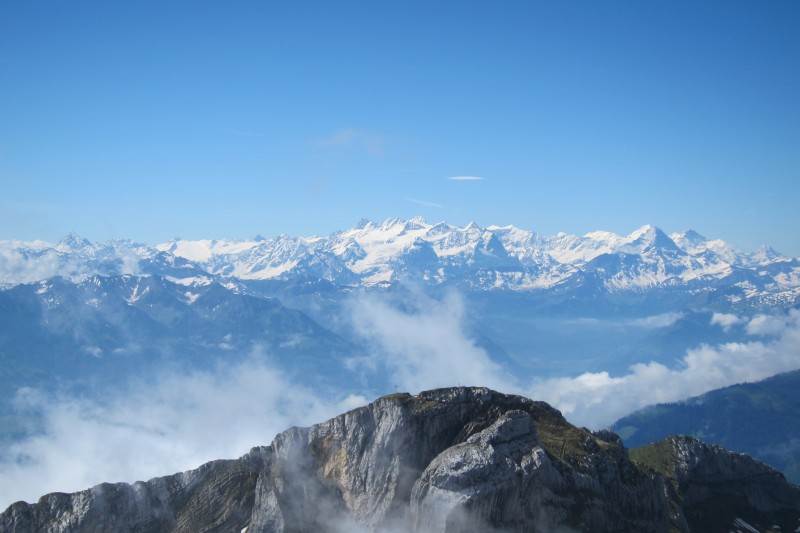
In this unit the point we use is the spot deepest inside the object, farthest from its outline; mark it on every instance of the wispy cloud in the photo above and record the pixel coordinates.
(657, 321)
(425, 203)
(440, 353)
(182, 420)
(153, 429)
(597, 399)
(726, 320)
(465, 178)
(372, 143)
(767, 325)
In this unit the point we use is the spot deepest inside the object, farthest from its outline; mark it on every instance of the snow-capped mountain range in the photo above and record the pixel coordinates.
(369, 254)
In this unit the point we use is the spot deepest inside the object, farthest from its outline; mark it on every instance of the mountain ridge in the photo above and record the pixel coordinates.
(457, 459)
(470, 257)
(758, 418)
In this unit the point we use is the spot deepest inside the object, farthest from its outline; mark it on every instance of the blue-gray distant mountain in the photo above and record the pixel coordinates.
(102, 330)
(761, 419)
(78, 313)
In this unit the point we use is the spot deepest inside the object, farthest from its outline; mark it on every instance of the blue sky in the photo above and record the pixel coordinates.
(149, 120)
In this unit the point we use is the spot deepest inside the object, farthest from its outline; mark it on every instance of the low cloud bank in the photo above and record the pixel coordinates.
(425, 345)
(417, 343)
(597, 399)
(156, 429)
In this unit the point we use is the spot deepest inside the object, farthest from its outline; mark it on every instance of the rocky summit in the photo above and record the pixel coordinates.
(455, 460)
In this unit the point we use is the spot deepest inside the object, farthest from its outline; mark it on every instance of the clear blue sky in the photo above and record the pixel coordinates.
(148, 120)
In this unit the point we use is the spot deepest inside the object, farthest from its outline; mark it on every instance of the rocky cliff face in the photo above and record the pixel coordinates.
(460, 459)
(712, 485)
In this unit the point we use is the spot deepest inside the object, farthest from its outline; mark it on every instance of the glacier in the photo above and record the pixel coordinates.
(473, 258)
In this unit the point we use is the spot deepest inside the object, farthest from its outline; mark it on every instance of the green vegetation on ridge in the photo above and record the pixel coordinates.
(761, 419)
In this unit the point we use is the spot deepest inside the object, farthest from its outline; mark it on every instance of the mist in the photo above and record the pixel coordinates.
(597, 399)
(152, 429)
(181, 420)
(423, 343)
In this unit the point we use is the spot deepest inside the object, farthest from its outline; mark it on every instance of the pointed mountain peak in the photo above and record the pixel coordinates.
(649, 236)
(650, 233)
(416, 223)
(363, 223)
(73, 242)
(690, 241)
(440, 229)
(648, 230)
(471, 227)
(391, 222)
(765, 253)
(694, 237)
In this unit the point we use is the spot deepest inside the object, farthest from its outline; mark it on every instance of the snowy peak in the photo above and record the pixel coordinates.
(472, 257)
(417, 221)
(647, 238)
(690, 236)
(647, 230)
(73, 243)
(765, 254)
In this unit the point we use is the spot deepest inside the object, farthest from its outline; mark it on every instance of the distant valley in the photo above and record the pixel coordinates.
(598, 325)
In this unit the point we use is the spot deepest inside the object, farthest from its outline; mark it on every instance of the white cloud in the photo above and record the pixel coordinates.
(181, 421)
(766, 325)
(657, 321)
(726, 320)
(156, 429)
(423, 344)
(129, 263)
(598, 399)
(18, 268)
(465, 178)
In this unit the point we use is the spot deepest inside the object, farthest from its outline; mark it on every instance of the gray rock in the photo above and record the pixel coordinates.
(449, 460)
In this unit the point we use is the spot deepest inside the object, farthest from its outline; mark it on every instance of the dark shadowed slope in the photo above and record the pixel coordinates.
(761, 419)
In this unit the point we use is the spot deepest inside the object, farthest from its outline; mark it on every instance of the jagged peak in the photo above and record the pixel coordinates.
(472, 226)
(380, 248)
(764, 254)
(73, 242)
(513, 234)
(649, 236)
(391, 222)
(694, 236)
(646, 230)
(439, 228)
(363, 223)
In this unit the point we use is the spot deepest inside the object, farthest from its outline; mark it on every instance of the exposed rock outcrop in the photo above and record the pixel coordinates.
(712, 485)
(459, 459)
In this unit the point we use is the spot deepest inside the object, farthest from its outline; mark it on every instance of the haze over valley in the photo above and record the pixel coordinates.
(289, 330)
